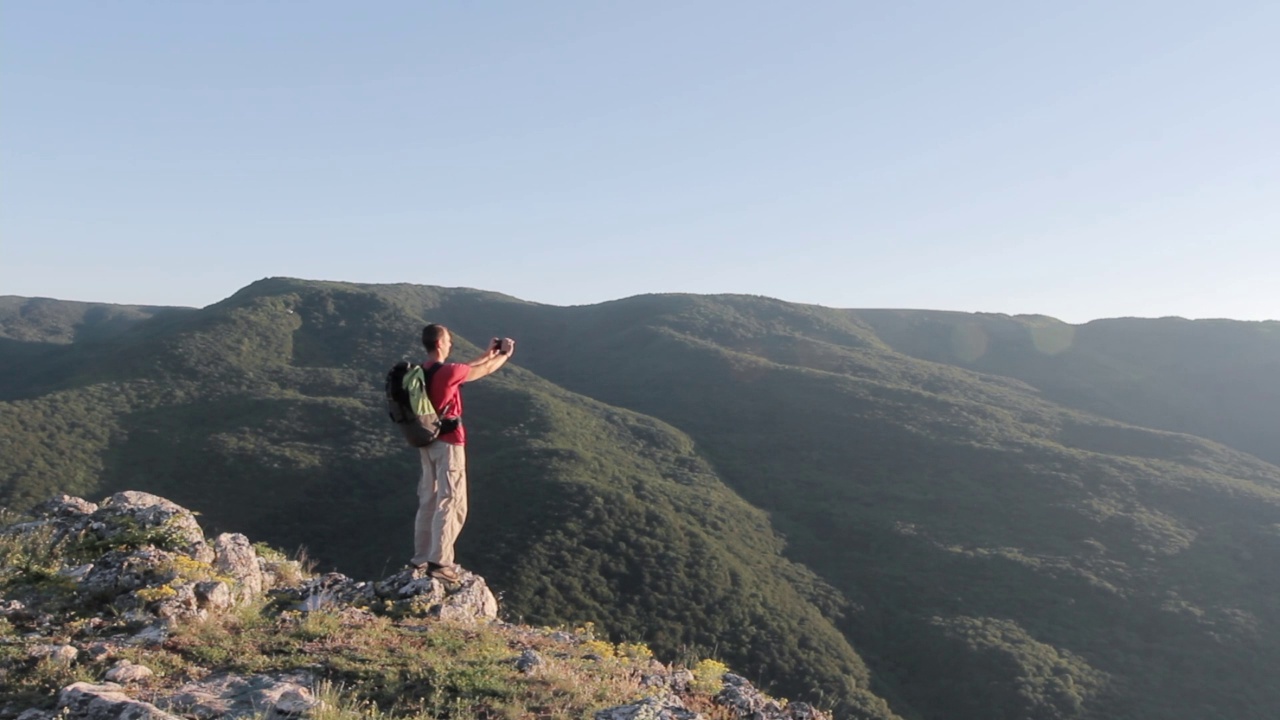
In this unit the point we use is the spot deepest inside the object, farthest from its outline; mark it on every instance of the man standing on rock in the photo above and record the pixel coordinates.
(442, 491)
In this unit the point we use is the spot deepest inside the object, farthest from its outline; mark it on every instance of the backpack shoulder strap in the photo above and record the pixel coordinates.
(428, 373)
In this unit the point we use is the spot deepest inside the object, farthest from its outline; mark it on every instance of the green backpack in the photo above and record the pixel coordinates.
(408, 405)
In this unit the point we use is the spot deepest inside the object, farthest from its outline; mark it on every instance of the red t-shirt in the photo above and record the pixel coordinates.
(446, 396)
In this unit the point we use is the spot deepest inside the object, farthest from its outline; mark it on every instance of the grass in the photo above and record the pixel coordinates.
(369, 666)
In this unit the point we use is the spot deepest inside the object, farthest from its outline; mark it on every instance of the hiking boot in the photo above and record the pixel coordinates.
(442, 572)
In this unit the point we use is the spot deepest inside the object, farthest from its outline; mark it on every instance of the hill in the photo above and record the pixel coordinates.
(1218, 379)
(993, 544)
(265, 413)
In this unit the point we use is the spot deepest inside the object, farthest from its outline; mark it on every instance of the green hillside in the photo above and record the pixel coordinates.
(1219, 379)
(975, 518)
(264, 413)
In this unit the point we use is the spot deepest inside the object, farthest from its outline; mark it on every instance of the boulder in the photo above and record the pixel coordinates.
(132, 511)
(236, 557)
(213, 595)
(468, 599)
(59, 654)
(529, 662)
(126, 672)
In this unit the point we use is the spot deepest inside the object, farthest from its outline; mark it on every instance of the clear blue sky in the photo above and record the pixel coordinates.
(1079, 159)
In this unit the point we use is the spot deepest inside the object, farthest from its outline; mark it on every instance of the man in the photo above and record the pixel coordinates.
(442, 491)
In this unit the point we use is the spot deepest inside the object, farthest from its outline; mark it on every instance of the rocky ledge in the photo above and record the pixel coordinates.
(148, 618)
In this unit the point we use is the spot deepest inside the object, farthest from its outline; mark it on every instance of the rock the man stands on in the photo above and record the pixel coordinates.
(442, 491)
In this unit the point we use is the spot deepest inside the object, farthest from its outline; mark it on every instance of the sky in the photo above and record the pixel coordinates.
(1079, 160)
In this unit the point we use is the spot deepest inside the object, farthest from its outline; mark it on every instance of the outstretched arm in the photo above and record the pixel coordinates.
(491, 360)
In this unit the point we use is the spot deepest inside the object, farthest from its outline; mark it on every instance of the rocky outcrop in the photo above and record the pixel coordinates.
(126, 518)
(737, 695)
(140, 567)
(409, 591)
(745, 702)
(232, 696)
(149, 558)
(86, 701)
(667, 707)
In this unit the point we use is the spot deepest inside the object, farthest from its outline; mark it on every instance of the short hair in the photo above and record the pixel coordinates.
(432, 335)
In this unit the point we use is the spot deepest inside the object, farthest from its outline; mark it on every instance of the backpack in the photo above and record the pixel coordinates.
(408, 405)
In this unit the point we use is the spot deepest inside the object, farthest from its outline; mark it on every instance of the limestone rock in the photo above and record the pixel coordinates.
(150, 635)
(332, 591)
(677, 682)
(60, 654)
(183, 605)
(85, 701)
(131, 510)
(294, 703)
(122, 571)
(236, 557)
(126, 672)
(668, 707)
(213, 595)
(65, 506)
(100, 651)
(745, 702)
(528, 662)
(229, 696)
(468, 599)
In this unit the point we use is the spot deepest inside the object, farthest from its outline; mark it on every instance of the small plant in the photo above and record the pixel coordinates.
(318, 625)
(132, 536)
(268, 553)
(153, 594)
(635, 651)
(708, 676)
(600, 648)
(30, 553)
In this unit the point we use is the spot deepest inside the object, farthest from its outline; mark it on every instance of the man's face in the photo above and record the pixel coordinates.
(446, 344)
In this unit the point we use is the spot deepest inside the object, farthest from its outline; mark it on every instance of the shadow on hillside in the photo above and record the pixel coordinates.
(29, 368)
(244, 466)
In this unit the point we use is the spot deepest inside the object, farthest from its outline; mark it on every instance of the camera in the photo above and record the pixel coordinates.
(497, 345)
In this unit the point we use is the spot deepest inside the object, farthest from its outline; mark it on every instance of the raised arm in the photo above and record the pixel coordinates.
(491, 360)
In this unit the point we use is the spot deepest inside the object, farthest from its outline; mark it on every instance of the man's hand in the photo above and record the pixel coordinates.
(494, 357)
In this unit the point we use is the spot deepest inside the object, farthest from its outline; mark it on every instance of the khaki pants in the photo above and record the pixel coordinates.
(442, 503)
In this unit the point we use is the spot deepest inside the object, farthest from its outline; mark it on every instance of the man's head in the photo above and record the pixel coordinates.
(436, 339)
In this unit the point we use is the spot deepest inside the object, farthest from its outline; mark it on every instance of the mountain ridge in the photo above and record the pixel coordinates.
(958, 513)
